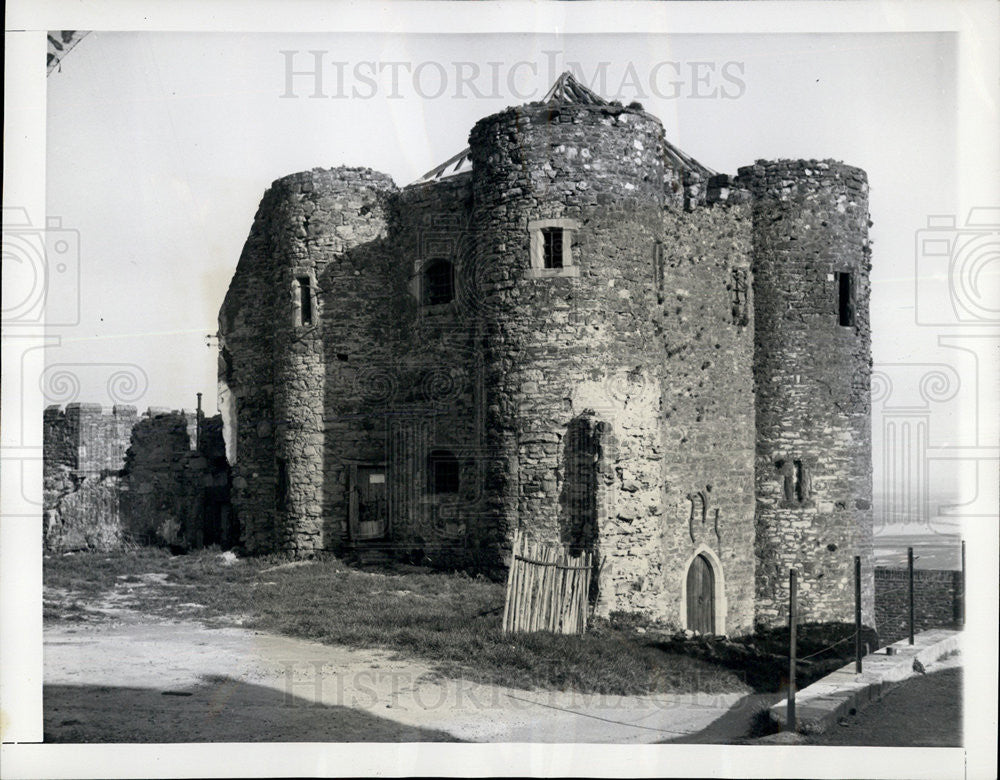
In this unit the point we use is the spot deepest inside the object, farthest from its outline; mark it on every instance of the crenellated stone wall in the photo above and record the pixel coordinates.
(113, 477)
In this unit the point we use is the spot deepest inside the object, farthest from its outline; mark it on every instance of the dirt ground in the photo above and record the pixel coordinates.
(129, 678)
(113, 673)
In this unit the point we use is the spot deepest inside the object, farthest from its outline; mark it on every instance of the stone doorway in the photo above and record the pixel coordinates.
(369, 509)
(701, 596)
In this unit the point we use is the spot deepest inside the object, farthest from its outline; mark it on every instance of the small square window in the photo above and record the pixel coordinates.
(552, 248)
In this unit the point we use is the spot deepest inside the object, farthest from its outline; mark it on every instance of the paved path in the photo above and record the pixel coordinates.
(133, 680)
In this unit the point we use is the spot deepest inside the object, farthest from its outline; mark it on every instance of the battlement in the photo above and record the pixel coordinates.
(90, 438)
(79, 410)
(715, 189)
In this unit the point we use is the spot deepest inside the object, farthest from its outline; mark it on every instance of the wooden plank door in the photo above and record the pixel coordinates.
(372, 504)
(701, 596)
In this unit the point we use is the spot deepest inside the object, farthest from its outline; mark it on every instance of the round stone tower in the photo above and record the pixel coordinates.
(567, 203)
(812, 367)
(300, 281)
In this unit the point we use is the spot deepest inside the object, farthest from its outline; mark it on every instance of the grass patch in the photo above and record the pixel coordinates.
(450, 620)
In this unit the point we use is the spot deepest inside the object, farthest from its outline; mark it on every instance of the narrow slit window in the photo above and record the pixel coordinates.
(552, 247)
(305, 301)
(739, 291)
(845, 296)
(798, 481)
(658, 270)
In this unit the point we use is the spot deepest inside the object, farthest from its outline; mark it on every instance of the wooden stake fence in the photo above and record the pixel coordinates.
(546, 588)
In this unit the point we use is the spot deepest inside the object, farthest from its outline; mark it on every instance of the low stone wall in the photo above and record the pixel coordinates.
(937, 601)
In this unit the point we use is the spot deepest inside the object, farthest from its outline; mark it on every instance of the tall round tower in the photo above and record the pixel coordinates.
(812, 367)
(567, 207)
(297, 289)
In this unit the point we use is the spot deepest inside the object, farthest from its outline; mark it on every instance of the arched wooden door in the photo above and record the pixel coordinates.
(701, 596)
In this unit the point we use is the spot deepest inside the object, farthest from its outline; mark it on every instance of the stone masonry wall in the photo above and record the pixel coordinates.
(112, 477)
(937, 601)
(246, 382)
(330, 220)
(166, 480)
(706, 338)
(378, 379)
(274, 362)
(437, 403)
(812, 384)
(637, 346)
(83, 452)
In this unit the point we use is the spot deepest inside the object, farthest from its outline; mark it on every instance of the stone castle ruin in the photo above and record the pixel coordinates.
(574, 328)
(113, 477)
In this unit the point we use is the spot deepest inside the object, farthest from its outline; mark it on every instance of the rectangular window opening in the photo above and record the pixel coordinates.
(439, 283)
(845, 287)
(305, 301)
(552, 247)
(443, 472)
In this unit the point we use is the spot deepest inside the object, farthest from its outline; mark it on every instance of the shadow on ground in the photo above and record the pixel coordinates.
(220, 709)
(736, 726)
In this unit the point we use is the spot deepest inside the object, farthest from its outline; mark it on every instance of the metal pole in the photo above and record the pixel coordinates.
(857, 614)
(962, 602)
(792, 620)
(909, 564)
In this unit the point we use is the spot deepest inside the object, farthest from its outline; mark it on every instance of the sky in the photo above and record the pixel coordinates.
(160, 146)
